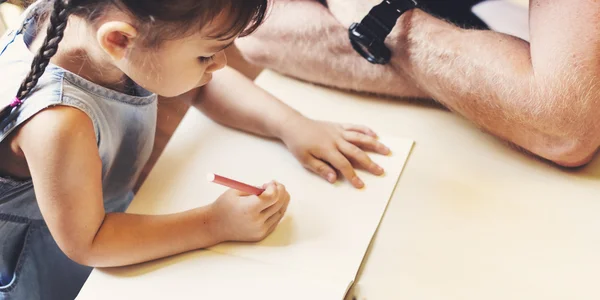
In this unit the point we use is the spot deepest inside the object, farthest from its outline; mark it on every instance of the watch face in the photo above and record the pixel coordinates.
(365, 43)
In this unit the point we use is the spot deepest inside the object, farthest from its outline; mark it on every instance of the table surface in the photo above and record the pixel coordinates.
(471, 217)
(521, 2)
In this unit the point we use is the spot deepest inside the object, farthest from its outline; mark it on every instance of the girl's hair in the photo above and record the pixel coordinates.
(159, 20)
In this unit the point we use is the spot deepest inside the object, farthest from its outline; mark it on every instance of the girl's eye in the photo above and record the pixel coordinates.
(204, 59)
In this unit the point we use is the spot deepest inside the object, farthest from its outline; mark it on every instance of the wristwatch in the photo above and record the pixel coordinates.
(368, 36)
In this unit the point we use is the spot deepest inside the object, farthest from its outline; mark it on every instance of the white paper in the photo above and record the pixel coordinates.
(207, 275)
(324, 235)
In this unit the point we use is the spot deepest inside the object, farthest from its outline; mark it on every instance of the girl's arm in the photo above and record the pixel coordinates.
(60, 146)
(233, 100)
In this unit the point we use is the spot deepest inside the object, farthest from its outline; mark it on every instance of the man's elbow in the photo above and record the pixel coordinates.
(255, 50)
(563, 129)
(570, 152)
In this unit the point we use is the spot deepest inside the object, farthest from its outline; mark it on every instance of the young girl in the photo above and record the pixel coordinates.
(80, 126)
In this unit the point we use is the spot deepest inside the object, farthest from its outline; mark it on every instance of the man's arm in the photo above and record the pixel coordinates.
(302, 39)
(544, 97)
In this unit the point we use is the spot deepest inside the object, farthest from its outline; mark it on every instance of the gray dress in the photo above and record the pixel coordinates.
(31, 264)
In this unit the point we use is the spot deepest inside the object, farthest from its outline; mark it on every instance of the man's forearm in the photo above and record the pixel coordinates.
(302, 39)
(490, 79)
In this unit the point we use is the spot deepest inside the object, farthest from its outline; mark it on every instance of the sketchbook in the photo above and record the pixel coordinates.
(314, 253)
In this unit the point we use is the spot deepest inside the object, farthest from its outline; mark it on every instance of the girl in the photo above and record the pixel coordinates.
(80, 123)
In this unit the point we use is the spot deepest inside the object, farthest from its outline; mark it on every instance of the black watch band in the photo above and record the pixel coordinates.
(382, 17)
(368, 36)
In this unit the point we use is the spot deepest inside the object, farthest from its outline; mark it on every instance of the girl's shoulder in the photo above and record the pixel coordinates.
(50, 91)
(55, 130)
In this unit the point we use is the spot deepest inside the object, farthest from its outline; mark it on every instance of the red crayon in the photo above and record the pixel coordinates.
(242, 187)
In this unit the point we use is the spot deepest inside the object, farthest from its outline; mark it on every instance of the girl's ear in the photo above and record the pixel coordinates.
(115, 38)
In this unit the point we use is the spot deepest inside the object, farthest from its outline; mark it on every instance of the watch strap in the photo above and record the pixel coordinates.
(382, 17)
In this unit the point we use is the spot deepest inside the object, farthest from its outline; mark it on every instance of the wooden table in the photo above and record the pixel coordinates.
(471, 217)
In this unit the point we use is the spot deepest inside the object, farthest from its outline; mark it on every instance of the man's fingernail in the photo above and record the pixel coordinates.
(331, 177)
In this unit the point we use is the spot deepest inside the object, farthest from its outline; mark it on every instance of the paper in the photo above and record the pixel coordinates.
(327, 228)
(206, 275)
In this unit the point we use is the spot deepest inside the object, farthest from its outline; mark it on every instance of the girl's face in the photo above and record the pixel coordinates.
(177, 66)
(172, 68)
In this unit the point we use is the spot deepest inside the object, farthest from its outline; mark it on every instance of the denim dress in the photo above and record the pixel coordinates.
(32, 266)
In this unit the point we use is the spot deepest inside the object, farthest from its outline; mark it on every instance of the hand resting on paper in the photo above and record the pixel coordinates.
(323, 147)
(320, 147)
(249, 218)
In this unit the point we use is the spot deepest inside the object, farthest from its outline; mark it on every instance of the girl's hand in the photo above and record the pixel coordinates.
(319, 146)
(249, 218)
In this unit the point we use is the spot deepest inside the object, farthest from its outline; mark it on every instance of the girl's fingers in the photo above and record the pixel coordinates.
(322, 169)
(273, 220)
(361, 158)
(365, 142)
(341, 163)
(359, 128)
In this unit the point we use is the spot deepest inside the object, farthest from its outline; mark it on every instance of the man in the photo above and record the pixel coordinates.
(542, 95)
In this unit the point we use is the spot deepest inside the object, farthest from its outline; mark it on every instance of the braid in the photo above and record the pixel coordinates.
(55, 33)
